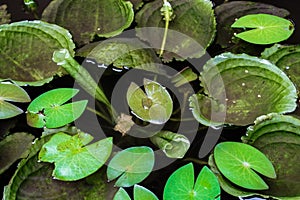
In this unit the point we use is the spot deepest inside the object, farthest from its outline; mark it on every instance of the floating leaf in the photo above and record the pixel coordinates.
(47, 109)
(4, 16)
(123, 52)
(73, 159)
(229, 11)
(92, 18)
(287, 59)
(14, 93)
(14, 147)
(278, 137)
(155, 106)
(181, 185)
(131, 166)
(190, 32)
(34, 180)
(265, 28)
(241, 87)
(174, 145)
(237, 162)
(27, 48)
(139, 193)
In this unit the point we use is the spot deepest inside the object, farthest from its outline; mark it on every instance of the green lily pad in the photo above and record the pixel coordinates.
(287, 59)
(228, 12)
(13, 93)
(14, 147)
(278, 137)
(92, 18)
(237, 162)
(242, 88)
(27, 48)
(73, 159)
(4, 16)
(130, 53)
(265, 28)
(155, 106)
(34, 180)
(131, 166)
(174, 145)
(139, 193)
(181, 185)
(47, 109)
(190, 32)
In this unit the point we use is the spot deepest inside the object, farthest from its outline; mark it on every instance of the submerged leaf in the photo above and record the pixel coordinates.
(181, 185)
(27, 48)
(278, 137)
(131, 166)
(265, 28)
(14, 93)
(155, 106)
(238, 162)
(174, 145)
(229, 11)
(47, 109)
(287, 58)
(121, 52)
(73, 159)
(92, 18)
(241, 87)
(4, 16)
(14, 147)
(190, 32)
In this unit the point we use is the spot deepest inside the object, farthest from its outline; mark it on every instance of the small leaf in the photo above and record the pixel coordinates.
(141, 193)
(229, 11)
(14, 147)
(184, 76)
(91, 19)
(27, 48)
(174, 145)
(121, 195)
(131, 166)
(73, 160)
(237, 162)
(47, 109)
(4, 16)
(155, 106)
(265, 28)
(181, 185)
(14, 93)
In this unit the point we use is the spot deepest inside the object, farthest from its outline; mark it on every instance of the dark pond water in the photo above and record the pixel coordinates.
(156, 182)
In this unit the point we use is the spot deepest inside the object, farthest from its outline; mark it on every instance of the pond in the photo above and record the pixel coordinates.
(147, 129)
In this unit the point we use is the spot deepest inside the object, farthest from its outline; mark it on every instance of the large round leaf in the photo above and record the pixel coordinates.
(278, 137)
(265, 28)
(181, 185)
(93, 17)
(241, 87)
(73, 159)
(193, 19)
(287, 58)
(238, 162)
(47, 109)
(131, 166)
(155, 106)
(27, 48)
(229, 11)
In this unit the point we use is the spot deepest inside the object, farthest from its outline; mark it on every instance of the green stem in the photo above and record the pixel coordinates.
(200, 162)
(99, 114)
(82, 76)
(167, 12)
